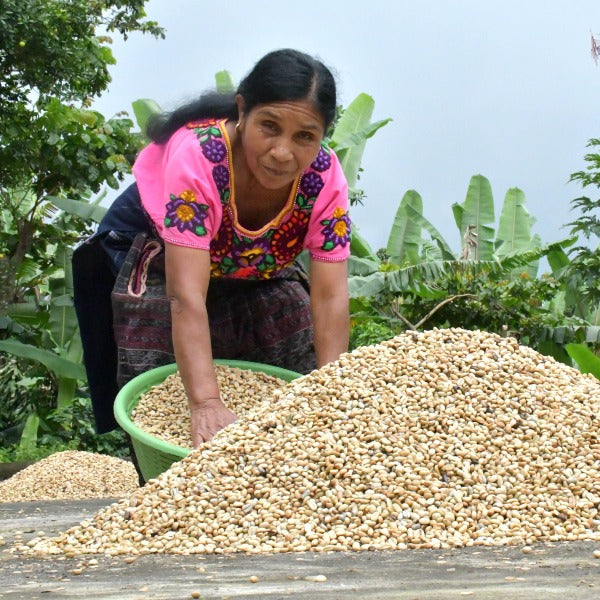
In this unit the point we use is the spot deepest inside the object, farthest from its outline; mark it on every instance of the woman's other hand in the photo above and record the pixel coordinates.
(207, 418)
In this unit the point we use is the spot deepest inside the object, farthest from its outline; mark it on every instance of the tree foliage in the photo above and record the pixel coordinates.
(50, 46)
(584, 267)
(52, 63)
(54, 60)
(50, 52)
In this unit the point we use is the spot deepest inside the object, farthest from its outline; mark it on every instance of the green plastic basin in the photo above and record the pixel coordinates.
(154, 455)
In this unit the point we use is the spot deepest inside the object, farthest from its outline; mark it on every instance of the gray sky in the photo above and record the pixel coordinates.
(504, 89)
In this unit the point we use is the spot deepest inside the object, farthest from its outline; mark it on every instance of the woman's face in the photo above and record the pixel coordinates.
(280, 140)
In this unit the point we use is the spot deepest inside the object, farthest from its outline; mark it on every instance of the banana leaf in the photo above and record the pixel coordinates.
(533, 267)
(430, 251)
(478, 211)
(423, 278)
(362, 266)
(586, 360)
(224, 82)
(367, 286)
(404, 241)
(359, 137)
(522, 257)
(359, 247)
(420, 279)
(27, 270)
(558, 260)
(30, 431)
(514, 227)
(85, 210)
(436, 236)
(67, 386)
(52, 361)
(354, 121)
(25, 310)
(590, 334)
(67, 389)
(143, 109)
(63, 320)
(26, 313)
(551, 348)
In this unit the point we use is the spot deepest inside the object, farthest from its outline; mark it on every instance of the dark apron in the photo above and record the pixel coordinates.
(124, 315)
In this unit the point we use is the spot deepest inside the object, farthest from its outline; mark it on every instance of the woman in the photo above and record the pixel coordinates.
(235, 187)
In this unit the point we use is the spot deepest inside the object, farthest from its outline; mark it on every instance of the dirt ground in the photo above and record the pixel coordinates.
(491, 573)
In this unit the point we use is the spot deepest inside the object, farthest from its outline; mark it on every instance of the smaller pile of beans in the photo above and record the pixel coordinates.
(71, 475)
(163, 410)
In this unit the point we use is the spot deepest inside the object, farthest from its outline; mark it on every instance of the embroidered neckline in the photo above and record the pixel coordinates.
(231, 207)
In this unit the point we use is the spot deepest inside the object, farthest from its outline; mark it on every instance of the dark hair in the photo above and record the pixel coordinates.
(278, 76)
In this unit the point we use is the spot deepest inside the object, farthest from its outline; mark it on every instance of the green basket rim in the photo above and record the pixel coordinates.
(129, 396)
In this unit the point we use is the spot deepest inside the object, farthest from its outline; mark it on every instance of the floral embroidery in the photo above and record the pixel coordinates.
(202, 124)
(322, 162)
(336, 230)
(214, 150)
(220, 175)
(185, 213)
(206, 130)
(252, 253)
(215, 269)
(290, 237)
(311, 184)
(239, 256)
(223, 241)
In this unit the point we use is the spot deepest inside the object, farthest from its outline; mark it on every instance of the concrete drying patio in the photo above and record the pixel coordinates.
(490, 573)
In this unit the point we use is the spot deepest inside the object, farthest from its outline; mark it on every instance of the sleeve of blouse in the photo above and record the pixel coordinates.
(178, 190)
(329, 229)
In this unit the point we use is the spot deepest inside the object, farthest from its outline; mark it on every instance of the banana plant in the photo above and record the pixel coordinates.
(586, 360)
(59, 350)
(64, 328)
(404, 242)
(143, 109)
(422, 278)
(414, 263)
(224, 82)
(475, 219)
(418, 266)
(514, 226)
(352, 130)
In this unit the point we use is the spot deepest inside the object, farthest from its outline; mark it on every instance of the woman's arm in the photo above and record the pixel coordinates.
(330, 309)
(188, 276)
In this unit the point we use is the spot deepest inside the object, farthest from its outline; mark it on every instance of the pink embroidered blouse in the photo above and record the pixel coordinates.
(186, 188)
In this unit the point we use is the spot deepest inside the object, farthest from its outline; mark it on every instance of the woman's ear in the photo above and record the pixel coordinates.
(239, 100)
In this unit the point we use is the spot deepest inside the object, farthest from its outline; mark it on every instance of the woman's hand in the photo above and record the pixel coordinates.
(207, 418)
(188, 274)
(330, 309)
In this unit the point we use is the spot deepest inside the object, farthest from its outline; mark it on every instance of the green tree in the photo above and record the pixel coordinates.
(54, 60)
(52, 64)
(584, 267)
